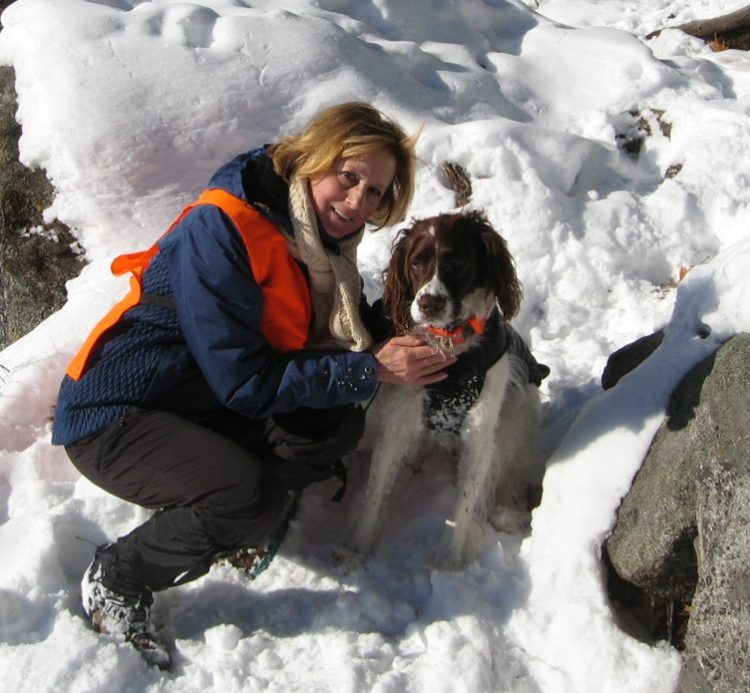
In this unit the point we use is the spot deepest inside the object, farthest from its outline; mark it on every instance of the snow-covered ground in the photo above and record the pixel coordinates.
(130, 107)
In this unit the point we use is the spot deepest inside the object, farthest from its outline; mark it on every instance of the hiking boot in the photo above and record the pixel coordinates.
(115, 607)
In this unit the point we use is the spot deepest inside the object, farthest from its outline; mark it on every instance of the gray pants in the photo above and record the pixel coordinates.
(212, 493)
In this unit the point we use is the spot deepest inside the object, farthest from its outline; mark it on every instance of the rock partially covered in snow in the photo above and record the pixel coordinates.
(683, 531)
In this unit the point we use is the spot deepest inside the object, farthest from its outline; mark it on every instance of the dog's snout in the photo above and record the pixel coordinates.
(431, 304)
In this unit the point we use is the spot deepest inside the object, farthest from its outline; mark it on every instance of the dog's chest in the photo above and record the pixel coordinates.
(447, 403)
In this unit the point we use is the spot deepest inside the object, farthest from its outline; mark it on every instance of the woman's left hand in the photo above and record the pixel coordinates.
(409, 361)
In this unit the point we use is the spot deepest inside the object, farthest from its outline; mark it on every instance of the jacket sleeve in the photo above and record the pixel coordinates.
(220, 306)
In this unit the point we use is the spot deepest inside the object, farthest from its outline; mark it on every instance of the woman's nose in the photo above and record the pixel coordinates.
(356, 197)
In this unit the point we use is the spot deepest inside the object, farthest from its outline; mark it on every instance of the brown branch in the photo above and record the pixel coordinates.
(459, 182)
(728, 31)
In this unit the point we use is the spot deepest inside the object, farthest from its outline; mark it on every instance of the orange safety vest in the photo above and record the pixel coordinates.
(287, 308)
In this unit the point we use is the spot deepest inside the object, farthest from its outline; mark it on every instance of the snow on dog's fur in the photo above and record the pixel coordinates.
(452, 281)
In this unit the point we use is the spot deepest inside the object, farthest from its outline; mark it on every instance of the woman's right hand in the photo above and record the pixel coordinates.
(409, 361)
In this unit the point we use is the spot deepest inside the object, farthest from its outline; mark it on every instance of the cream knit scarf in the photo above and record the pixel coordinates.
(335, 284)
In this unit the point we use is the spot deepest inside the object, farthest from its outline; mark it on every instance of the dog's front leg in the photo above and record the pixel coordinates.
(401, 422)
(479, 461)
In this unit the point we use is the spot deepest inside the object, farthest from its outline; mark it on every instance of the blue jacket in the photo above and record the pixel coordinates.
(194, 346)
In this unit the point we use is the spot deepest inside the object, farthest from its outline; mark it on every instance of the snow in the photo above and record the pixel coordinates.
(130, 106)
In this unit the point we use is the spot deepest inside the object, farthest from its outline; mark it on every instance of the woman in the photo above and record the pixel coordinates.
(230, 376)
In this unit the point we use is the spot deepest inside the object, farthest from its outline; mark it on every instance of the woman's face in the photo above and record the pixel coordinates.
(347, 195)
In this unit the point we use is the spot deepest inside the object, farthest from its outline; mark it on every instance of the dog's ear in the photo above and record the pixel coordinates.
(501, 270)
(396, 289)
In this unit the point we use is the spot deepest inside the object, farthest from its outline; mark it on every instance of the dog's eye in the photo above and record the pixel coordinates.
(453, 266)
(418, 260)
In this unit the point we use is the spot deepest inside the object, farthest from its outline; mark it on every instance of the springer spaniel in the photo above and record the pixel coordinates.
(452, 281)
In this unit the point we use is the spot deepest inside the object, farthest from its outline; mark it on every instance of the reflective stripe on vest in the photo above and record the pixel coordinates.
(287, 309)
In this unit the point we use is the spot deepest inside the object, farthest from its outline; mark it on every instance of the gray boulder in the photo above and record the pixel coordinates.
(36, 258)
(683, 531)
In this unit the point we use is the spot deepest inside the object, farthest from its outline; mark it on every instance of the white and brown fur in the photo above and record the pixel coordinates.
(443, 270)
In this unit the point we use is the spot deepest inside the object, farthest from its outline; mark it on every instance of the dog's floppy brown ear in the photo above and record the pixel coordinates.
(396, 290)
(501, 271)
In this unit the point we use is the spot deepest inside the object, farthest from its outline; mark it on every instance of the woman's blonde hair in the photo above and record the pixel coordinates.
(346, 131)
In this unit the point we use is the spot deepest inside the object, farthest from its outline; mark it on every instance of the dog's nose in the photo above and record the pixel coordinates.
(430, 304)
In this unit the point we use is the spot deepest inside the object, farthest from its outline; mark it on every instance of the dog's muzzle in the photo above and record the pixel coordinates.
(431, 305)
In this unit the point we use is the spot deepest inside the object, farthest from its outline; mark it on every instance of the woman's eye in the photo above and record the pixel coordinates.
(348, 178)
(375, 193)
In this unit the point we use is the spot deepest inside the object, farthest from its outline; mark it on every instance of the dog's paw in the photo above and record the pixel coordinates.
(361, 540)
(363, 536)
(510, 520)
(346, 560)
(461, 543)
(451, 550)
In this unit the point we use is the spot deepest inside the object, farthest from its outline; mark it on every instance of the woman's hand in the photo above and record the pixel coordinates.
(409, 361)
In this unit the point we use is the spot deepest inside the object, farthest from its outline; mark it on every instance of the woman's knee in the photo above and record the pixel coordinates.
(247, 520)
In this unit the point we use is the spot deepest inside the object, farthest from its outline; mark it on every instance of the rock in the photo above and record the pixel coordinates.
(626, 359)
(36, 258)
(683, 531)
(717, 645)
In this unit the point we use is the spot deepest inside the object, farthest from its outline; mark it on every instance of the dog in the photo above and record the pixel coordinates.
(452, 281)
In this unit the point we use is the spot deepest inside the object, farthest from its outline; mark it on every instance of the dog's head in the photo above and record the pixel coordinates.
(448, 271)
